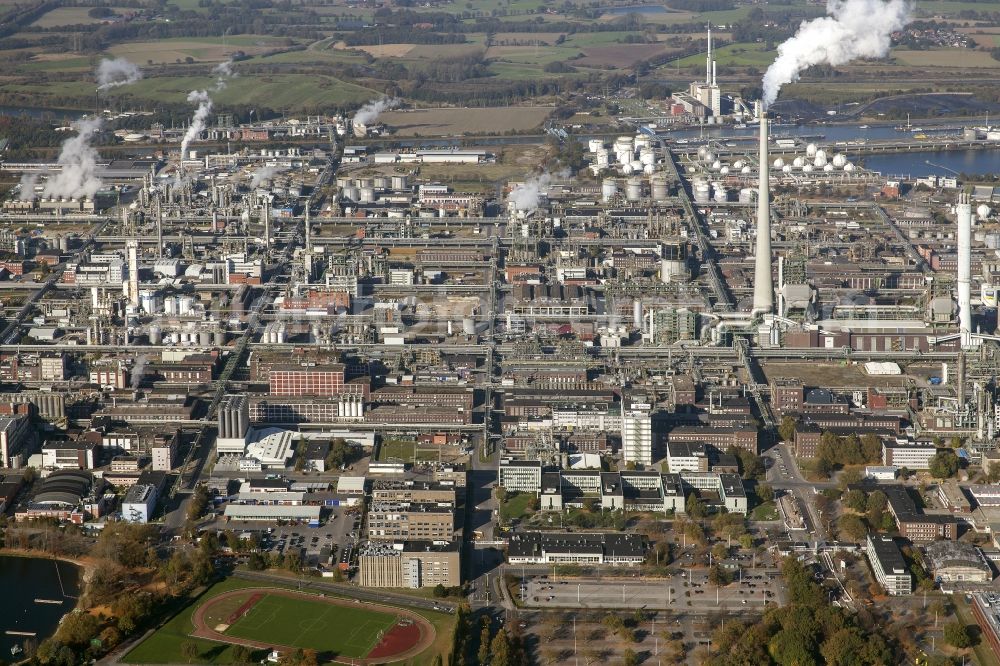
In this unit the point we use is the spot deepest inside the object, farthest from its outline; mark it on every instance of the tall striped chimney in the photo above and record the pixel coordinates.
(964, 210)
(763, 288)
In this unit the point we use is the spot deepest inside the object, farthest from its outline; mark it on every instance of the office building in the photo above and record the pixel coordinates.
(888, 565)
(410, 564)
(613, 549)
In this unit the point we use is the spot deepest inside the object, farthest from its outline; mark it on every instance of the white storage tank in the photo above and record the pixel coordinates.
(603, 158)
(609, 188)
(595, 145)
(658, 187)
(821, 153)
(746, 195)
(350, 193)
(778, 163)
(820, 161)
(383, 182)
(828, 168)
(367, 195)
(839, 160)
(848, 167)
(798, 162)
(155, 335)
(633, 189)
(400, 183)
(787, 168)
(807, 168)
(811, 150)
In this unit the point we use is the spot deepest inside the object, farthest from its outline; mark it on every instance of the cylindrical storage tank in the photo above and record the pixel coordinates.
(175, 338)
(983, 211)
(282, 334)
(366, 182)
(778, 163)
(219, 337)
(746, 195)
(642, 141)
(636, 166)
(721, 196)
(637, 313)
(603, 158)
(798, 162)
(811, 150)
(341, 407)
(350, 193)
(184, 304)
(155, 335)
(170, 305)
(701, 192)
(609, 188)
(633, 189)
(469, 326)
(205, 338)
(382, 183)
(367, 195)
(647, 157)
(400, 183)
(595, 145)
(343, 182)
(658, 187)
(839, 160)
(649, 169)
(627, 168)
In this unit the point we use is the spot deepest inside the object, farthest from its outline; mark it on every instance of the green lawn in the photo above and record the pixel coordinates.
(350, 632)
(396, 449)
(515, 507)
(765, 511)
(741, 54)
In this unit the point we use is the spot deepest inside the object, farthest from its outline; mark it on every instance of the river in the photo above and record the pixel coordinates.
(25, 579)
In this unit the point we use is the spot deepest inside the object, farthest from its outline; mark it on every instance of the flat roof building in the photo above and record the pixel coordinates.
(888, 565)
(957, 561)
(410, 564)
(613, 549)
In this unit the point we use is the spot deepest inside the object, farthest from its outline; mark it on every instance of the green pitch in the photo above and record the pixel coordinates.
(350, 632)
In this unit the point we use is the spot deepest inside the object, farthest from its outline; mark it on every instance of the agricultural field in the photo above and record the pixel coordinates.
(946, 58)
(207, 49)
(71, 16)
(454, 121)
(733, 55)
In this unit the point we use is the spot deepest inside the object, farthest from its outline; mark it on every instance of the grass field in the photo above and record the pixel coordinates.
(451, 121)
(396, 449)
(69, 16)
(515, 507)
(737, 55)
(946, 58)
(203, 49)
(351, 632)
(164, 645)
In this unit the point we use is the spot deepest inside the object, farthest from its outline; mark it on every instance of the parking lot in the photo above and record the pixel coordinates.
(684, 591)
(338, 533)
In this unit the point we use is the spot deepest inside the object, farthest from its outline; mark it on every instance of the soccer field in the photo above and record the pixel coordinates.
(349, 632)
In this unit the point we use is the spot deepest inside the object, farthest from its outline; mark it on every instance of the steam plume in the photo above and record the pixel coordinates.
(370, 112)
(265, 173)
(117, 72)
(526, 196)
(78, 160)
(198, 121)
(853, 29)
(223, 71)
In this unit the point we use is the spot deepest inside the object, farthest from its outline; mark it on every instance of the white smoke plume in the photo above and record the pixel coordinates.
(198, 121)
(139, 370)
(853, 29)
(223, 71)
(265, 173)
(28, 182)
(527, 195)
(117, 72)
(78, 160)
(370, 112)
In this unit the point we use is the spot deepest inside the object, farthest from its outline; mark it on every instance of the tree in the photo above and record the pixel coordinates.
(500, 652)
(957, 635)
(241, 655)
(439, 591)
(790, 649)
(694, 507)
(484, 641)
(787, 429)
(853, 527)
(854, 499)
(718, 576)
(190, 651)
(78, 628)
(842, 648)
(765, 492)
(943, 464)
(630, 658)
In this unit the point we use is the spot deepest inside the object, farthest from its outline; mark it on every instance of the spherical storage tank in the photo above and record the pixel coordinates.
(839, 160)
(848, 167)
(807, 168)
(710, 157)
(745, 169)
(724, 170)
(811, 150)
(820, 161)
(787, 168)
(821, 153)
(702, 152)
(716, 165)
(627, 168)
(798, 162)
(828, 167)
(778, 163)
(739, 164)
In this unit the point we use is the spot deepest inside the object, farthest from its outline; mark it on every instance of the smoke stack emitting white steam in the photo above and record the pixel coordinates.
(117, 72)
(370, 112)
(526, 196)
(198, 121)
(853, 29)
(78, 160)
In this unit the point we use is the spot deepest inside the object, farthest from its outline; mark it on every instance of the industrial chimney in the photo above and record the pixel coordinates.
(964, 210)
(763, 288)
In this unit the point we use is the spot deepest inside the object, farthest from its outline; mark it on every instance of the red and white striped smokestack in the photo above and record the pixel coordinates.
(964, 213)
(763, 288)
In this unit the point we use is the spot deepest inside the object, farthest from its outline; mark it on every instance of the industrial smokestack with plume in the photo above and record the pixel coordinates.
(853, 29)
(369, 113)
(265, 173)
(223, 71)
(763, 288)
(198, 121)
(117, 72)
(78, 162)
(526, 196)
(964, 214)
